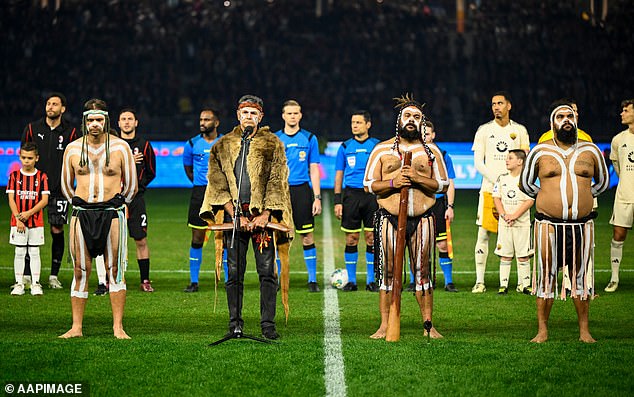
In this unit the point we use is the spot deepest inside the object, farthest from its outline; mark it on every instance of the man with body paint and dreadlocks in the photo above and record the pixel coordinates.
(564, 226)
(98, 177)
(385, 175)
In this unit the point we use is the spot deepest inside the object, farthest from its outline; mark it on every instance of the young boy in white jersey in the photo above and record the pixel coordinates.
(514, 228)
(28, 195)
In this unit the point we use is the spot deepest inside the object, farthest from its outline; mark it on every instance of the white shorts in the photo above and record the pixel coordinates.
(622, 214)
(514, 241)
(31, 237)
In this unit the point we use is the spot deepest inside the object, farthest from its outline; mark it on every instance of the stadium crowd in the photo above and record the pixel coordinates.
(167, 58)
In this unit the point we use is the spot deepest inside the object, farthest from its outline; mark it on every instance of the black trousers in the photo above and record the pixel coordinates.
(237, 263)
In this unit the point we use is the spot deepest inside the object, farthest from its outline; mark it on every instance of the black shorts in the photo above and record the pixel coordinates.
(137, 218)
(195, 202)
(358, 206)
(438, 209)
(302, 203)
(57, 209)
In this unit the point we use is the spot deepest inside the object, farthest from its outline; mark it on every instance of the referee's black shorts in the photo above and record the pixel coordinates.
(195, 202)
(359, 207)
(302, 203)
(438, 209)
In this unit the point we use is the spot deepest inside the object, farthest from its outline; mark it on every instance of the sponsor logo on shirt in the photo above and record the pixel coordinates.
(501, 146)
(27, 195)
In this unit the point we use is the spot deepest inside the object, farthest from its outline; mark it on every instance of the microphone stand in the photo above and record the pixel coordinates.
(235, 245)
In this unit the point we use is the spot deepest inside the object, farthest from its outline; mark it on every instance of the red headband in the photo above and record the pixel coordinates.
(250, 104)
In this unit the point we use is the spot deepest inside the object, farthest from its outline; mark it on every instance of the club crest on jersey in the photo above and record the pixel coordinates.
(352, 161)
(501, 146)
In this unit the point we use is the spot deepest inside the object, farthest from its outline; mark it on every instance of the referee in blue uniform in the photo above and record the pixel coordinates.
(354, 206)
(196, 163)
(302, 156)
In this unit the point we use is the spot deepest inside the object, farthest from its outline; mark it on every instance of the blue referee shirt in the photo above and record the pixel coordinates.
(196, 154)
(451, 174)
(302, 150)
(352, 158)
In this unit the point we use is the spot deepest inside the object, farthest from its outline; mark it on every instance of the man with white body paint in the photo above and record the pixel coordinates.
(385, 175)
(102, 168)
(491, 145)
(564, 227)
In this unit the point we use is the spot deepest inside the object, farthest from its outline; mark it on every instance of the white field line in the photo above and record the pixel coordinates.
(334, 368)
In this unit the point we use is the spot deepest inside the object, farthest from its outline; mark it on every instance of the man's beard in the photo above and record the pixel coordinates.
(567, 136)
(410, 135)
(54, 115)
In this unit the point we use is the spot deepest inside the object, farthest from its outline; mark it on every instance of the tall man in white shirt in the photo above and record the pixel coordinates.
(491, 145)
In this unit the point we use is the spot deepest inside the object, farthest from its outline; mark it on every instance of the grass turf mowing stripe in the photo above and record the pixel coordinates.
(359, 272)
(334, 369)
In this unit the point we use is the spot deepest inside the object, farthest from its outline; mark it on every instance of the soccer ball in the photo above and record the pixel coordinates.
(339, 278)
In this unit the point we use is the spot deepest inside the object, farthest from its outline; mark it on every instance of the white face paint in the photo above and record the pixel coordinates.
(249, 116)
(412, 115)
(562, 115)
(95, 123)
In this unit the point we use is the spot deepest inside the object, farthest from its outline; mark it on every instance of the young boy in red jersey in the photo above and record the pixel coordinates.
(28, 195)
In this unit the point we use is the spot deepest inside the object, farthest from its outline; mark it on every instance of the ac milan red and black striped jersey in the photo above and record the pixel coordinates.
(50, 145)
(28, 190)
(146, 169)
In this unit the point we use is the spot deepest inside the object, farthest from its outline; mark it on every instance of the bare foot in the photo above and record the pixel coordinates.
(434, 334)
(72, 333)
(586, 338)
(541, 337)
(120, 334)
(379, 334)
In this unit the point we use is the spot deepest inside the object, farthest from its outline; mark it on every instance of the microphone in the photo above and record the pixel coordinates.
(247, 131)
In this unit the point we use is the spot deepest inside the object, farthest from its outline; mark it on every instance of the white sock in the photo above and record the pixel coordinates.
(36, 264)
(18, 263)
(101, 269)
(505, 273)
(616, 253)
(481, 254)
(524, 274)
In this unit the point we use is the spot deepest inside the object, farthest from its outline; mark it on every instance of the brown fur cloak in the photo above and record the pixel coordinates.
(268, 172)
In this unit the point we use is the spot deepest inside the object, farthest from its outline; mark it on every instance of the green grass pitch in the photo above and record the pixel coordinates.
(486, 349)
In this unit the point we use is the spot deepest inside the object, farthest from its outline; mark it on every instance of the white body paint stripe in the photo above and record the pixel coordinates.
(528, 179)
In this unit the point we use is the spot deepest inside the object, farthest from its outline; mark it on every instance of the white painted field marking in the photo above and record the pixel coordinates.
(334, 368)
